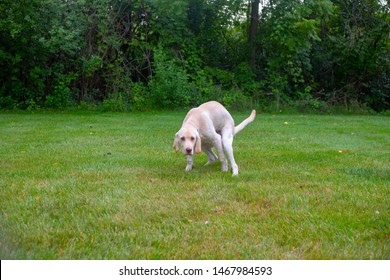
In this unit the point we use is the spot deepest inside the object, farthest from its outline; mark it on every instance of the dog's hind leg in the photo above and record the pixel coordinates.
(217, 142)
(227, 142)
(210, 154)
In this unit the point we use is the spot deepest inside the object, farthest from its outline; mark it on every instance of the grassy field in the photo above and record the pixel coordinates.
(109, 186)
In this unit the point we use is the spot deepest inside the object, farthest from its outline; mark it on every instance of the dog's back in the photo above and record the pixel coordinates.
(213, 112)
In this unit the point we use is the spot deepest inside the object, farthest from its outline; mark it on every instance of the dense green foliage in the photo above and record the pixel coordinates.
(144, 54)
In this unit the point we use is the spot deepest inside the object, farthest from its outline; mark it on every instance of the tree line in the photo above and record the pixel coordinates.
(165, 54)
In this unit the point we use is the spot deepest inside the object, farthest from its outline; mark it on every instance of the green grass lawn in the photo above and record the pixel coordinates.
(109, 186)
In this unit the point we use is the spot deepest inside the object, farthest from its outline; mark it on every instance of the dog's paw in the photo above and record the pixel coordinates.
(235, 170)
(188, 168)
(210, 162)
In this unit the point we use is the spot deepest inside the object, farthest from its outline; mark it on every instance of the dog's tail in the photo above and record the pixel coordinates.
(245, 122)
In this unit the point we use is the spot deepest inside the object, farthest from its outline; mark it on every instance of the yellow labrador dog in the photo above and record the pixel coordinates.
(207, 126)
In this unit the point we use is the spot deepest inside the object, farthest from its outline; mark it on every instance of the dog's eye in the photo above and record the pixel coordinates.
(192, 138)
(182, 138)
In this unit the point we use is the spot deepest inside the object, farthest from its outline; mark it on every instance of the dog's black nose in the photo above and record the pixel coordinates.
(188, 150)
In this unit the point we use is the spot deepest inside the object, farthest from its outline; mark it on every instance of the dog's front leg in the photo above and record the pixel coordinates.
(190, 161)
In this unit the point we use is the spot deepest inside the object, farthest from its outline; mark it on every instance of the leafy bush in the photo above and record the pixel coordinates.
(116, 102)
(61, 95)
(59, 98)
(135, 98)
(140, 97)
(170, 87)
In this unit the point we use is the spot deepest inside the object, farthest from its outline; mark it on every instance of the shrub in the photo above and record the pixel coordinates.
(60, 97)
(116, 102)
(140, 97)
(170, 87)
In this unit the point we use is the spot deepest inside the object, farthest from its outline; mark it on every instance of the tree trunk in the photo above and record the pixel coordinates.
(254, 22)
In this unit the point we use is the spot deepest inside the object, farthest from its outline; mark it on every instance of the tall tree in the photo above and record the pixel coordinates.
(253, 26)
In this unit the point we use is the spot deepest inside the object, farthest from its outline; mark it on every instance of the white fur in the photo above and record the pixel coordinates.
(207, 126)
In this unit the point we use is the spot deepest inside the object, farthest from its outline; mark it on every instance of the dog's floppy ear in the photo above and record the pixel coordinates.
(176, 142)
(198, 145)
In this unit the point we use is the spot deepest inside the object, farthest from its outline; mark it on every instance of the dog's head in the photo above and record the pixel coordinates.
(189, 140)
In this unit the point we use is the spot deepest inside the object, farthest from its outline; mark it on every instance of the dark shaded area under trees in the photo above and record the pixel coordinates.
(168, 54)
